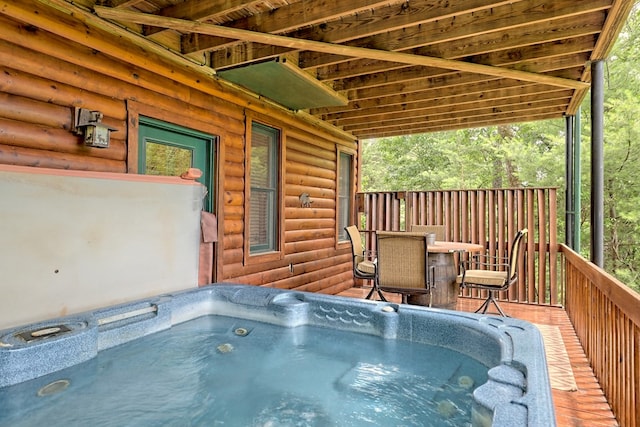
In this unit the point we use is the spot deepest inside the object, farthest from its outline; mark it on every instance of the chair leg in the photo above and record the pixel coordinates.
(370, 294)
(375, 288)
(495, 302)
(483, 308)
(487, 302)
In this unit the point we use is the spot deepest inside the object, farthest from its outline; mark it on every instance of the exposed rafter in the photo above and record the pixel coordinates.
(331, 48)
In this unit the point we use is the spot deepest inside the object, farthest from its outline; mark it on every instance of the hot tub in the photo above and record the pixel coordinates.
(40, 364)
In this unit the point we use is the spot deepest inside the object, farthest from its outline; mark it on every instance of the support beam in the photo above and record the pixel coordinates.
(577, 182)
(331, 48)
(570, 213)
(597, 163)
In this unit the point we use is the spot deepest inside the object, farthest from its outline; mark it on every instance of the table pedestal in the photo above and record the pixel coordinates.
(444, 294)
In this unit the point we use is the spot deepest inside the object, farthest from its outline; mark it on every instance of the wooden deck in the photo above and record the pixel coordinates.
(586, 407)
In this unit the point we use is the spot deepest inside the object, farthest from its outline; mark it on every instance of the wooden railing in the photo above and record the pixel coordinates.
(488, 217)
(606, 317)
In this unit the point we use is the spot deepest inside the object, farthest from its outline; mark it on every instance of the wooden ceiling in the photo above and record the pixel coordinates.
(406, 67)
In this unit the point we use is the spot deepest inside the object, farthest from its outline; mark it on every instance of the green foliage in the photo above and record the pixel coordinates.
(504, 156)
(163, 159)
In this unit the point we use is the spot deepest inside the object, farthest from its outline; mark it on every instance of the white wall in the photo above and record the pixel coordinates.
(73, 241)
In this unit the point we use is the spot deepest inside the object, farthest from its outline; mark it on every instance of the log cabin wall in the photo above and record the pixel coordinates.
(46, 72)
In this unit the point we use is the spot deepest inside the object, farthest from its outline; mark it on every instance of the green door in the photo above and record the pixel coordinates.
(167, 149)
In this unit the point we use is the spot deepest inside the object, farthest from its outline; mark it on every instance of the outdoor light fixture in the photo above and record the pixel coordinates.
(88, 123)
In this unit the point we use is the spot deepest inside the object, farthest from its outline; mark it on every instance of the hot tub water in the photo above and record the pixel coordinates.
(270, 376)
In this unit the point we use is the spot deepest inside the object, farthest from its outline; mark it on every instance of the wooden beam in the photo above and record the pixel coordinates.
(479, 87)
(461, 103)
(456, 124)
(515, 102)
(490, 91)
(347, 20)
(487, 110)
(473, 44)
(616, 18)
(419, 26)
(216, 30)
(197, 10)
(294, 16)
(407, 74)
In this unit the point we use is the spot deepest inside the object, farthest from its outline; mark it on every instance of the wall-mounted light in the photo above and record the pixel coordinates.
(88, 124)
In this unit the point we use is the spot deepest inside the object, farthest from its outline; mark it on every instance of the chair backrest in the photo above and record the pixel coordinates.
(516, 248)
(438, 230)
(402, 260)
(356, 240)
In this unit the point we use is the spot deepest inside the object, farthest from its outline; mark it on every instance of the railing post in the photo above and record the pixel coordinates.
(597, 163)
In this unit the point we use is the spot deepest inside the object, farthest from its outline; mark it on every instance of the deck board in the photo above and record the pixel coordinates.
(586, 407)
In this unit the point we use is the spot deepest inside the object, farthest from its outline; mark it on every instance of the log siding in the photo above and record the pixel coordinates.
(46, 70)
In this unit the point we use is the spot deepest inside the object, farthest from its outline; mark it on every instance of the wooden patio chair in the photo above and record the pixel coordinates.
(438, 230)
(403, 264)
(497, 273)
(364, 265)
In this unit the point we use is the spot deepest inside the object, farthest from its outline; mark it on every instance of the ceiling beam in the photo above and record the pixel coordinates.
(291, 17)
(457, 124)
(417, 27)
(362, 69)
(420, 119)
(216, 30)
(478, 87)
(473, 44)
(197, 10)
(492, 92)
(462, 104)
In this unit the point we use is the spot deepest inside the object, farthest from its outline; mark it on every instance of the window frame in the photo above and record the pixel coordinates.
(274, 251)
(340, 152)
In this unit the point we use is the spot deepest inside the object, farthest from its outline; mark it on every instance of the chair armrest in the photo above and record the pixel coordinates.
(489, 262)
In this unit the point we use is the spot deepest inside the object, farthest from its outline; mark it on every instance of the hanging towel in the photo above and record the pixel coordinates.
(209, 226)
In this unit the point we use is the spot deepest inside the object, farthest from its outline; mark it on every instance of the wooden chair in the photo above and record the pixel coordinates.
(402, 263)
(438, 230)
(498, 273)
(364, 266)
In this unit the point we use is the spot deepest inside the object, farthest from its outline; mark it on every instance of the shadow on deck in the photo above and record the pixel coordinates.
(585, 407)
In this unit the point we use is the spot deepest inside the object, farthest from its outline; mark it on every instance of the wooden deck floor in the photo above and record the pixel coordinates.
(586, 407)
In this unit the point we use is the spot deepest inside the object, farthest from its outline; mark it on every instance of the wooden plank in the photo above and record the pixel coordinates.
(480, 33)
(286, 18)
(553, 248)
(531, 225)
(542, 247)
(376, 21)
(479, 109)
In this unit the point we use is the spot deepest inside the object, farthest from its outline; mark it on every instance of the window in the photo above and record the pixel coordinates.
(345, 162)
(168, 149)
(264, 165)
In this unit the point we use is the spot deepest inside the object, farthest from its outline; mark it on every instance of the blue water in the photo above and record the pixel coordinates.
(220, 371)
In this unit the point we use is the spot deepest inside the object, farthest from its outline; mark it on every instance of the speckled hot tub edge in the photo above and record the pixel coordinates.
(518, 392)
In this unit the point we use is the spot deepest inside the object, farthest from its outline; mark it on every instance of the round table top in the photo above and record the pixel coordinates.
(443, 247)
